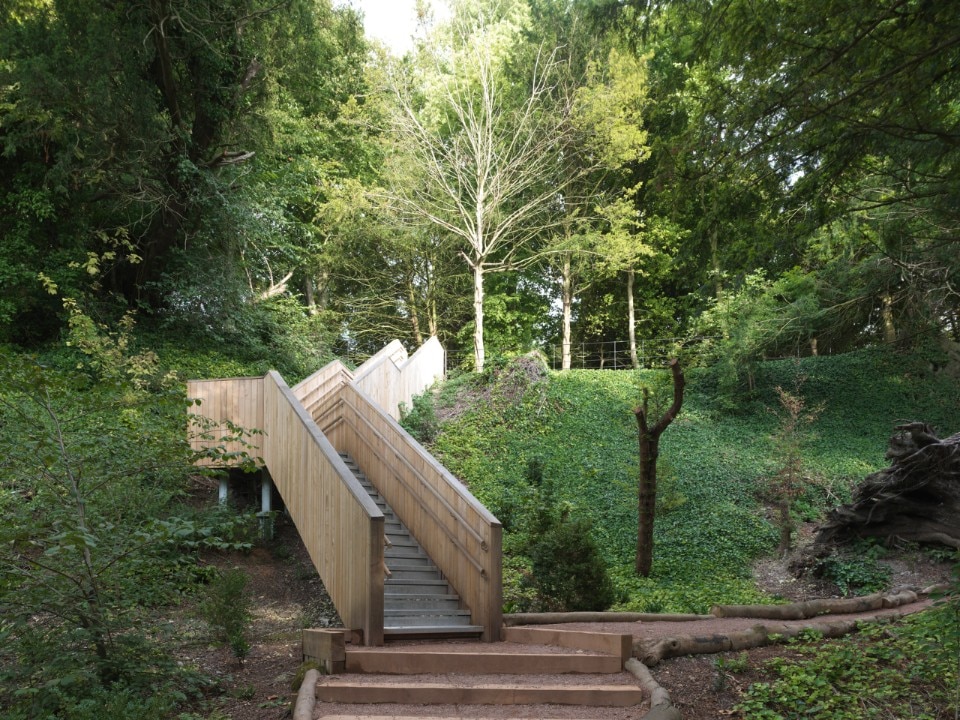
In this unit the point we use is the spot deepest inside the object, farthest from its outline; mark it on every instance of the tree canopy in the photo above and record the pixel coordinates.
(779, 177)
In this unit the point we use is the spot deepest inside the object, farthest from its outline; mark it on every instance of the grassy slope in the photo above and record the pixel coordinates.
(581, 425)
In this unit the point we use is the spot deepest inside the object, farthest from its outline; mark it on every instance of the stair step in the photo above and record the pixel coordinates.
(413, 577)
(416, 587)
(418, 717)
(401, 601)
(402, 540)
(406, 554)
(432, 632)
(424, 573)
(406, 619)
(345, 691)
(389, 662)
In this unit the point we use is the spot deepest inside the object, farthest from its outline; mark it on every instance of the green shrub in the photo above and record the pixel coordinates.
(857, 571)
(567, 569)
(885, 671)
(421, 419)
(225, 606)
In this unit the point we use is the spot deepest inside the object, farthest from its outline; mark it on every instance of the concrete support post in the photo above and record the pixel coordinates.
(224, 488)
(266, 515)
(266, 494)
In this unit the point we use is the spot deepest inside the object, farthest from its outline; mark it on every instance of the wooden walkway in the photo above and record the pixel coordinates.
(304, 430)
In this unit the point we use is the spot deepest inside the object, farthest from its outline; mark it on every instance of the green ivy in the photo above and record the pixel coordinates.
(580, 423)
(886, 671)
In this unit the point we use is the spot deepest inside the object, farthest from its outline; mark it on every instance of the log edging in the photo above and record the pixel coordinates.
(306, 696)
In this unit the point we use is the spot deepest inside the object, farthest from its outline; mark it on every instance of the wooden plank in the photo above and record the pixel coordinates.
(461, 536)
(618, 644)
(327, 647)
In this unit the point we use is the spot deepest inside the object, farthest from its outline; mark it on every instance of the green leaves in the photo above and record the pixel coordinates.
(581, 425)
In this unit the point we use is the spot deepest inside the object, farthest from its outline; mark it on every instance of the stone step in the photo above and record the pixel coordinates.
(420, 717)
(389, 662)
(339, 689)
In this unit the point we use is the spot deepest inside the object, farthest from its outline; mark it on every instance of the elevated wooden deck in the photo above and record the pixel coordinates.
(305, 428)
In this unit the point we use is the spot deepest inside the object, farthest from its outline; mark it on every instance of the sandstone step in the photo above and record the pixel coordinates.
(420, 717)
(386, 661)
(438, 693)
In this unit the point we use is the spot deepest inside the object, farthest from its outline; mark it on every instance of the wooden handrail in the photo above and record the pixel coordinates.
(419, 475)
(453, 539)
(336, 517)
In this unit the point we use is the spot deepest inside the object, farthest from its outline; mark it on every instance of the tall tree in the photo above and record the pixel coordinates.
(130, 135)
(488, 154)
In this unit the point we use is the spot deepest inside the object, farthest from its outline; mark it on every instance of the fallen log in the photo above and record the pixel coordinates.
(556, 618)
(651, 652)
(813, 608)
(306, 696)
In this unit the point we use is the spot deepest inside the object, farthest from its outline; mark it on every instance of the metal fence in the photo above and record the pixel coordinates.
(611, 354)
(615, 354)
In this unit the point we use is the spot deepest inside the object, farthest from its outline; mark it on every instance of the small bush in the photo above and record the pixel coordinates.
(421, 419)
(567, 568)
(856, 573)
(226, 608)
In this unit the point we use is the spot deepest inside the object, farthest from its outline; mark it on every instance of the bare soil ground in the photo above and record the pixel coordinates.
(288, 596)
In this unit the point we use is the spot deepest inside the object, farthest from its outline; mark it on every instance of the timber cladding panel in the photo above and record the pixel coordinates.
(239, 400)
(341, 526)
(390, 378)
(461, 536)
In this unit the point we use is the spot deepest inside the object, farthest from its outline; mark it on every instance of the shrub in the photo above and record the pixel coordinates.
(225, 606)
(568, 572)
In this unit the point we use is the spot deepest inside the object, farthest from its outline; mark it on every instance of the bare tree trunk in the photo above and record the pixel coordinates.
(889, 329)
(567, 299)
(631, 319)
(309, 296)
(649, 438)
(478, 316)
(414, 317)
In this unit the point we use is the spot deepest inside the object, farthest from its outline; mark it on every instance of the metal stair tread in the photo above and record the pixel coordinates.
(421, 601)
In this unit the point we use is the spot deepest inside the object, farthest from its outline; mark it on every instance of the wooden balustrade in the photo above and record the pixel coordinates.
(239, 400)
(390, 378)
(461, 536)
(341, 527)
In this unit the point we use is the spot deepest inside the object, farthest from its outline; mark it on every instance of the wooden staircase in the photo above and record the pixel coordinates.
(417, 600)
(394, 680)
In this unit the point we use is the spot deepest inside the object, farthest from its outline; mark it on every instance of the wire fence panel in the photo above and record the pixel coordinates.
(612, 354)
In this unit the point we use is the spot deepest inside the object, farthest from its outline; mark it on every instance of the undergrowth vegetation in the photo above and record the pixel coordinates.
(715, 461)
(904, 670)
(96, 537)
